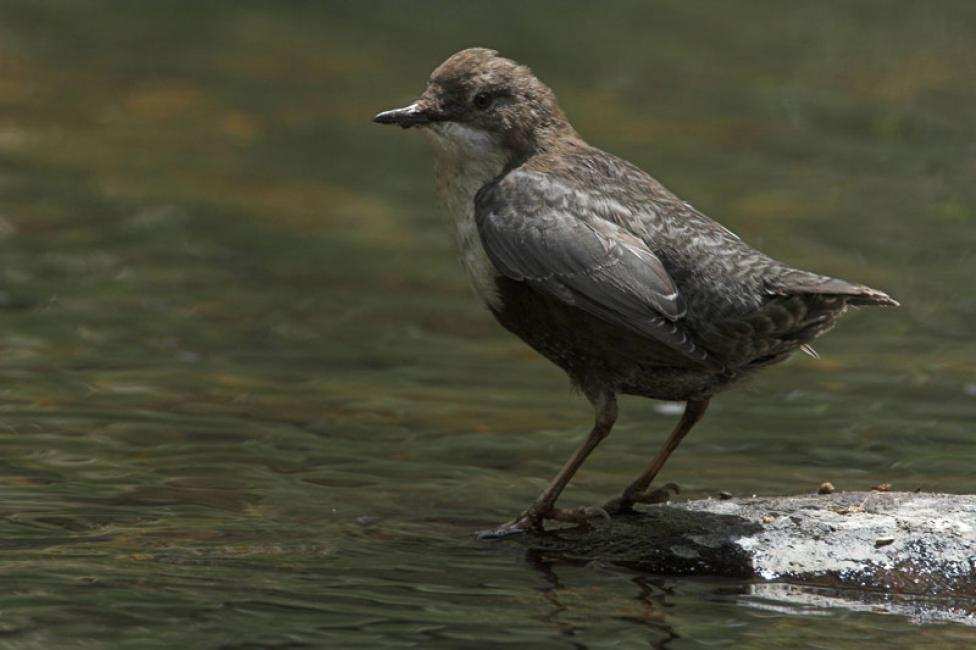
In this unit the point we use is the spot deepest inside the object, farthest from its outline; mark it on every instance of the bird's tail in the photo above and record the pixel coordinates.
(796, 282)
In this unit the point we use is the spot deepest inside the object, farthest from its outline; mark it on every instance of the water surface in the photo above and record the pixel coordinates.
(248, 400)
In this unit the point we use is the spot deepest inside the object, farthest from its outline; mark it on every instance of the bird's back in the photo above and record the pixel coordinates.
(742, 307)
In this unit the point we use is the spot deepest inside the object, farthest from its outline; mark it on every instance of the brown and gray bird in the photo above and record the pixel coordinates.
(599, 267)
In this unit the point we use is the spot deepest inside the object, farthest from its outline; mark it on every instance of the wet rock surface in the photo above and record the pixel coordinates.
(908, 553)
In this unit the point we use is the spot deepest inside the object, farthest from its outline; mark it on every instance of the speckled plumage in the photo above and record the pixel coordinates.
(693, 306)
(598, 266)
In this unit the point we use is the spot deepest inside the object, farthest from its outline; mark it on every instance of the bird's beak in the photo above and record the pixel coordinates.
(413, 115)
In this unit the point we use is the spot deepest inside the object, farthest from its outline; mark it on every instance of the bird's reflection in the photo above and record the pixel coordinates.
(651, 594)
(546, 568)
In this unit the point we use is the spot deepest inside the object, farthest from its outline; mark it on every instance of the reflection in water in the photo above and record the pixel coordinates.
(650, 599)
(551, 594)
(246, 397)
(817, 601)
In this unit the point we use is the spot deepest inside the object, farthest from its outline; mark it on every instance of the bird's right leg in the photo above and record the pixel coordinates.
(544, 507)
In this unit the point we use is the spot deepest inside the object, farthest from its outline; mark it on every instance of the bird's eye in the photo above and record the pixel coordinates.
(482, 101)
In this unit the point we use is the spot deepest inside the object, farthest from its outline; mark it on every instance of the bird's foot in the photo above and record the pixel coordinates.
(524, 523)
(625, 502)
(531, 520)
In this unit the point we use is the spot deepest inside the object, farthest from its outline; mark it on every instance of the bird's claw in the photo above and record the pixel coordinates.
(531, 520)
(582, 516)
(593, 512)
(528, 521)
(659, 495)
(625, 502)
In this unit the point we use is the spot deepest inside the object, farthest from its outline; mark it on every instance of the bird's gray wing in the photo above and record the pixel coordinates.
(568, 244)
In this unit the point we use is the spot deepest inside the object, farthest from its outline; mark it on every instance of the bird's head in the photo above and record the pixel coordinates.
(478, 103)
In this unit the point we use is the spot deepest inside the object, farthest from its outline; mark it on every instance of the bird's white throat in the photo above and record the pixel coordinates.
(466, 159)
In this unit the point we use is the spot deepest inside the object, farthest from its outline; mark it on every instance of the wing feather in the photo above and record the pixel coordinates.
(568, 244)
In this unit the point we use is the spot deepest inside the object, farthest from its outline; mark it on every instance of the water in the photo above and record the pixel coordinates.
(248, 400)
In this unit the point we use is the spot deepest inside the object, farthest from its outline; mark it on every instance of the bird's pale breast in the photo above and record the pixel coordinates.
(464, 164)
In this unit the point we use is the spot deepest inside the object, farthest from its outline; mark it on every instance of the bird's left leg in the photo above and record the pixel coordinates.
(605, 406)
(638, 490)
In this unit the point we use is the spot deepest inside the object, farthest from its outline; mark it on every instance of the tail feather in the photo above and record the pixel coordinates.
(855, 294)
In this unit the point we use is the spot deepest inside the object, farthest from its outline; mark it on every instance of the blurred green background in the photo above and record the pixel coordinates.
(248, 400)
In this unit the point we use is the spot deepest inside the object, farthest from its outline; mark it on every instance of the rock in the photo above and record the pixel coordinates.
(865, 548)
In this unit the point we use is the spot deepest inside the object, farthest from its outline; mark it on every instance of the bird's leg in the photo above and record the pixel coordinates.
(543, 508)
(638, 490)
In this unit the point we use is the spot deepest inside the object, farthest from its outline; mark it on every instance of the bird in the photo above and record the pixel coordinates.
(600, 268)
